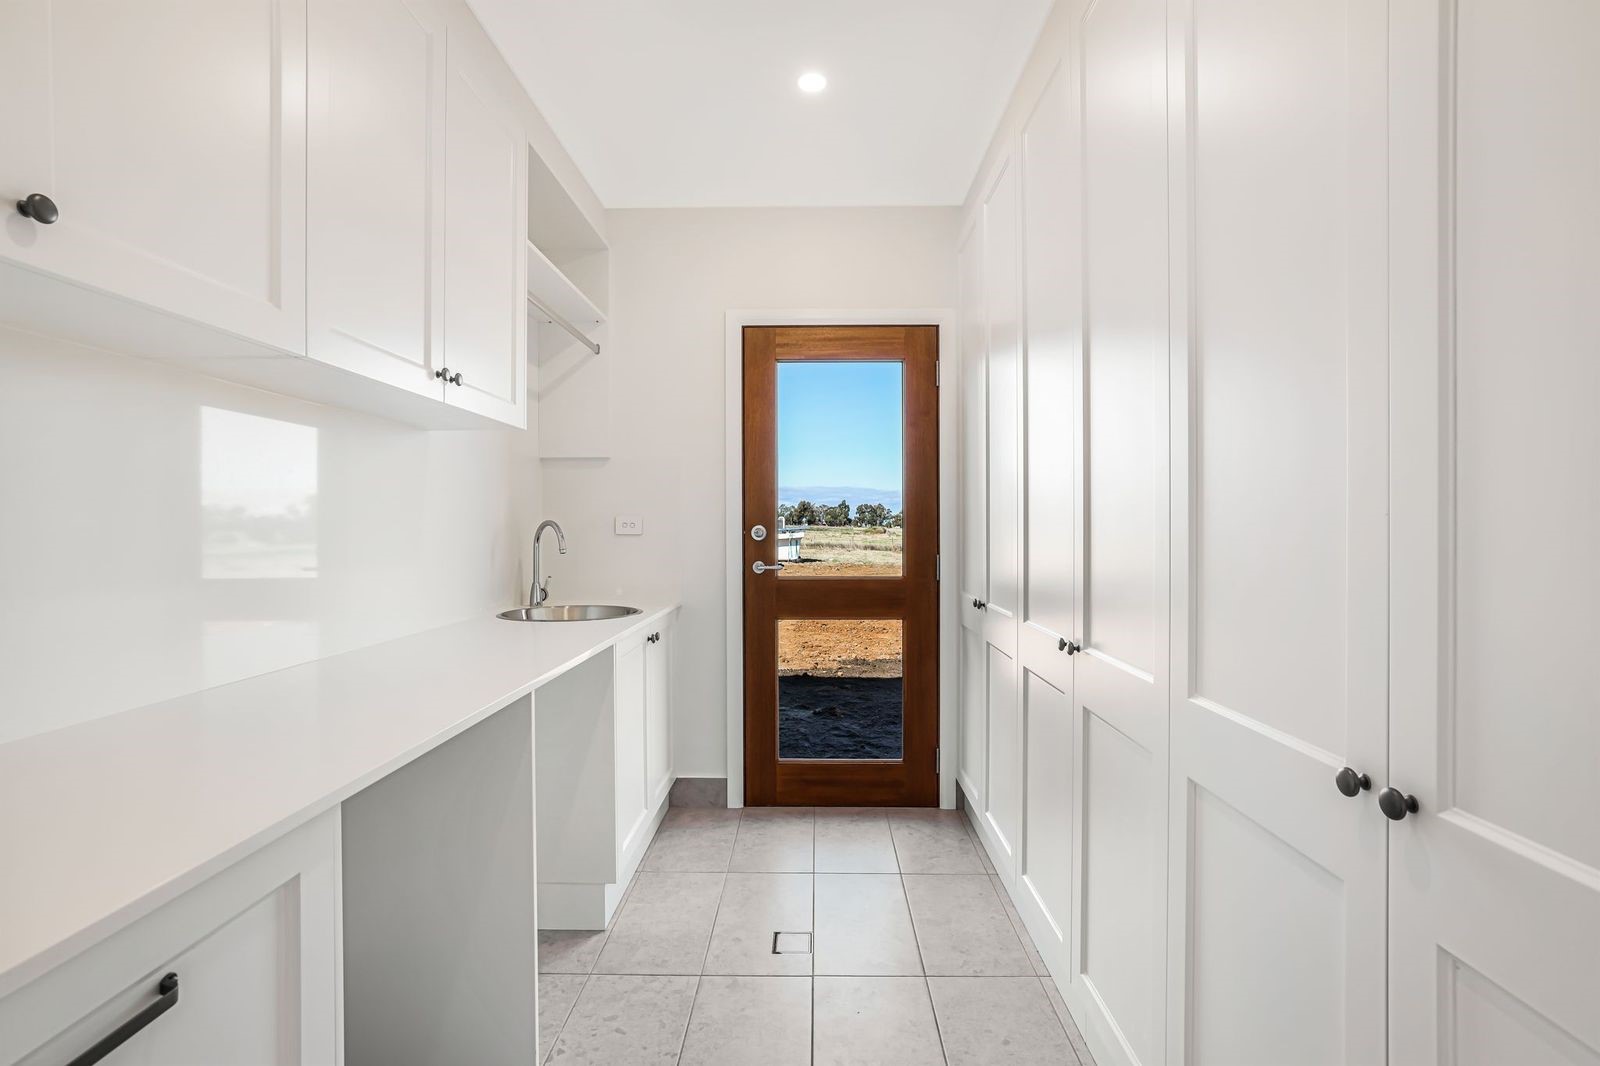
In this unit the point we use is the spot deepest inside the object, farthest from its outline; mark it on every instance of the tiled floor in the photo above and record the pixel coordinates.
(917, 955)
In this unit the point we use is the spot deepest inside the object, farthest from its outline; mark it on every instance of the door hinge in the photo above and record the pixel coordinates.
(938, 569)
(938, 367)
(938, 761)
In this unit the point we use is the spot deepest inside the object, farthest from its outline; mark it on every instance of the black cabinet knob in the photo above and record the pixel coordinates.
(444, 375)
(1396, 804)
(38, 207)
(455, 379)
(1071, 647)
(1352, 783)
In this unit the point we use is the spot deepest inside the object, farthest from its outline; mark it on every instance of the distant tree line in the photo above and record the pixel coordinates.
(806, 513)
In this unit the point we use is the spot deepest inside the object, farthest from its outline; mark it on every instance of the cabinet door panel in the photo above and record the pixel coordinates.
(974, 464)
(1279, 621)
(658, 717)
(1002, 417)
(630, 743)
(375, 178)
(1494, 888)
(174, 148)
(486, 225)
(1119, 689)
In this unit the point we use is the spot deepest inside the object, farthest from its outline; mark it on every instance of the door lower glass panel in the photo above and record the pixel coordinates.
(841, 688)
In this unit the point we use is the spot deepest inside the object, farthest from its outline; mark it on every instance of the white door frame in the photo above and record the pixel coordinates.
(733, 517)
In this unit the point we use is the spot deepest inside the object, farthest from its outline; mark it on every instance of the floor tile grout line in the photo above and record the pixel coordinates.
(927, 988)
(688, 1020)
(1021, 932)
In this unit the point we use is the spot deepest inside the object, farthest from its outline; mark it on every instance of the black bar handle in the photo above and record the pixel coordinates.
(121, 1034)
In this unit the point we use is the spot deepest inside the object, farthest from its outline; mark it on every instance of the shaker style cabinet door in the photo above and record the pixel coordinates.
(1494, 865)
(159, 148)
(658, 716)
(486, 227)
(375, 181)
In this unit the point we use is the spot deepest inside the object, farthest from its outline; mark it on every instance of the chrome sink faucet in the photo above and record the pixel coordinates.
(541, 589)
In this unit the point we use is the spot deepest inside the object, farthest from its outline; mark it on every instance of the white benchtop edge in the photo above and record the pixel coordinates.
(101, 823)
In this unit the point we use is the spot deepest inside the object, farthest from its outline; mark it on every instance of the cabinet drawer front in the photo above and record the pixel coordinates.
(254, 952)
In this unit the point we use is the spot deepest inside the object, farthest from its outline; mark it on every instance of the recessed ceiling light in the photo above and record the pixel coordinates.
(812, 82)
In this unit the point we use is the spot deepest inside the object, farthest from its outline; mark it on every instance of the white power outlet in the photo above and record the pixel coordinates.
(630, 525)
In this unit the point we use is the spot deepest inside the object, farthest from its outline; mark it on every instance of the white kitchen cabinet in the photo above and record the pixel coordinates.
(1308, 358)
(658, 716)
(631, 778)
(375, 179)
(991, 299)
(485, 362)
(320, 198)
(604, 747)
(254, 950)
(1494, 239)
(171, 138)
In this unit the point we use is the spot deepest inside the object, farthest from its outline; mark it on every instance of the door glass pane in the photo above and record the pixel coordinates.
(841, 692)
(840, 468)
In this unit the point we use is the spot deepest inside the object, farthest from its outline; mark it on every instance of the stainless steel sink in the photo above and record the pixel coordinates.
(571, 612)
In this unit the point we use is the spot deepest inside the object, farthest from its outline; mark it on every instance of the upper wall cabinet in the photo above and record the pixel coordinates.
(486, 225)
(158, 150)
(374, 265)
(323, 198)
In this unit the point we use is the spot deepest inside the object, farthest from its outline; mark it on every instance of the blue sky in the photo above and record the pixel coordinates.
(840, 424)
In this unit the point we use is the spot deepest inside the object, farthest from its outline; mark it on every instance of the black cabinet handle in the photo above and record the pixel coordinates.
(1071, 647)
(1352, 783)
(455, 379)
(444, 375)
(1396, 804)
(168, 989)
(38, 207)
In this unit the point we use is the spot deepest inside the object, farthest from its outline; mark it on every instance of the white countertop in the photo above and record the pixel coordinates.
(103, 822)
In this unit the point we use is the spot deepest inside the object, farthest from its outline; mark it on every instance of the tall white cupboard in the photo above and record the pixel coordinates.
(1279, 512)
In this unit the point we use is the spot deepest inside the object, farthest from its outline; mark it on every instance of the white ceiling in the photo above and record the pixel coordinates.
(693, 103)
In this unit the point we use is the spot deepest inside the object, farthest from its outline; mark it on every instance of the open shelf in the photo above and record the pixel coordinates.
(554, 291)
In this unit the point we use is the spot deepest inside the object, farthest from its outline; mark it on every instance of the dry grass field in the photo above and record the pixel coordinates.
(842, 647)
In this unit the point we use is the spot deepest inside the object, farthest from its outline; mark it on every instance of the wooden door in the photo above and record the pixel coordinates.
(841, 627)
(171, 137)
(485, 231)
(1494, 923)
(375, 175)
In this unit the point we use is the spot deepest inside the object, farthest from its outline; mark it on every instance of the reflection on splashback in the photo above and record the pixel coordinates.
(258, 497)
(162, 532)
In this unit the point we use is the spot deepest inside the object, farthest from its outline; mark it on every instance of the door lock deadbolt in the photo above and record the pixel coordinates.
(758, 533)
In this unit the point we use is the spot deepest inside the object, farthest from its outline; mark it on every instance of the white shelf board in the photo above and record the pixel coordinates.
(556, 292)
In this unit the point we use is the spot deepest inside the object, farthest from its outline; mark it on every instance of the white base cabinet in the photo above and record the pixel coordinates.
(256, 959)
(604, 771)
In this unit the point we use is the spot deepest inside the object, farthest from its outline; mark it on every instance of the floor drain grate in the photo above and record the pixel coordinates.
(791, 943)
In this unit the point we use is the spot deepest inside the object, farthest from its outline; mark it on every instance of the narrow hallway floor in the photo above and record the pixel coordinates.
(916, 956)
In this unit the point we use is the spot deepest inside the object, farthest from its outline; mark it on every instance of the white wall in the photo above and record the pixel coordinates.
(675, 273)
(124, 579)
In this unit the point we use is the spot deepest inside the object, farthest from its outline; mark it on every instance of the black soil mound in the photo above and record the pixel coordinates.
(839, 717)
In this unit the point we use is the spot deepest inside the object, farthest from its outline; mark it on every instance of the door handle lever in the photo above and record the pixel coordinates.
(759, 567)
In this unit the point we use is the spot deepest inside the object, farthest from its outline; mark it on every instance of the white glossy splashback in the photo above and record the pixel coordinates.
(162, 532)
